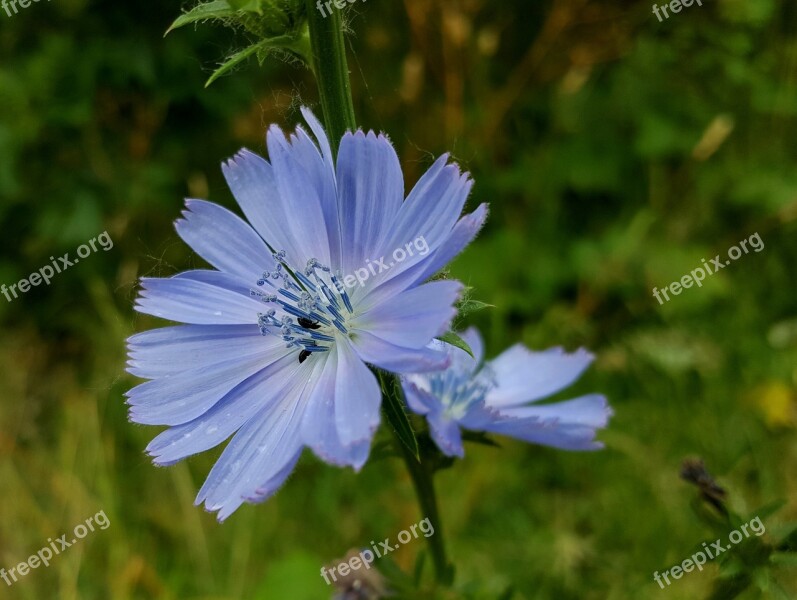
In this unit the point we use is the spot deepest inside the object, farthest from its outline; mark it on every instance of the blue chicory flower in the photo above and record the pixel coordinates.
(500, 396)
(273, 346)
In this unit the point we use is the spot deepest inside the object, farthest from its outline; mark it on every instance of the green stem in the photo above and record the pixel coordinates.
(421, 473)
(331, 71)
(423, 480)
(332, 74)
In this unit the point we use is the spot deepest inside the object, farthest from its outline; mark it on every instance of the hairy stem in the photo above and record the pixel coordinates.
(331, 71)
(422, 479)
(422, 475)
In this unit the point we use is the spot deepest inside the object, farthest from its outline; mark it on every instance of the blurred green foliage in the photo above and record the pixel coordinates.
(616, 153)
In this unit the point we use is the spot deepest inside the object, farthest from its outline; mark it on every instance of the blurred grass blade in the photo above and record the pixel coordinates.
(417, 571)
(770, 509)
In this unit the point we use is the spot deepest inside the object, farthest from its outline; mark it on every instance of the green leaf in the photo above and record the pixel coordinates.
(217, 9)
(468, 305)
(453, 339)
(283, 41)
(395, 414)
(234, 60)
(247, 5)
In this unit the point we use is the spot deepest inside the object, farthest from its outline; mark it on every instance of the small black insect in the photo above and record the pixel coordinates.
(308, 324)
(303, 356)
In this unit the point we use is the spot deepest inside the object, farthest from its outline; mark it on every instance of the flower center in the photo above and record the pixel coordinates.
(459, 389)
(307, 310)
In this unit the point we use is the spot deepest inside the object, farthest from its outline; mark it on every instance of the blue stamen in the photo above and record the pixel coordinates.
(306, 295)
(305, 281)
(288, 294)
(316, 317)
(335, 312)
(293, 310)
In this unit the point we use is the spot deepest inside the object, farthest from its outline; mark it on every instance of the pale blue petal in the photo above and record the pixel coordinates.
(180, 398)
(370, 191)
(444, 430)
(569, 425)
(270, 487)
(357, 396)
(378, 352)
(564, 437)
(305, 214)
(591, 410)
(462, 234)
(417, 394)
(224, 240)
(322, 179)
(431, 209)
(320, 136)
(423, 224)
(186, 301)
(233, 283)
(227, 415)
(319, 429)
(446, 434)
(524, 376)
(291, 202)
(252, 182)
(411, 319)
(258, 455)
(170, 350)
